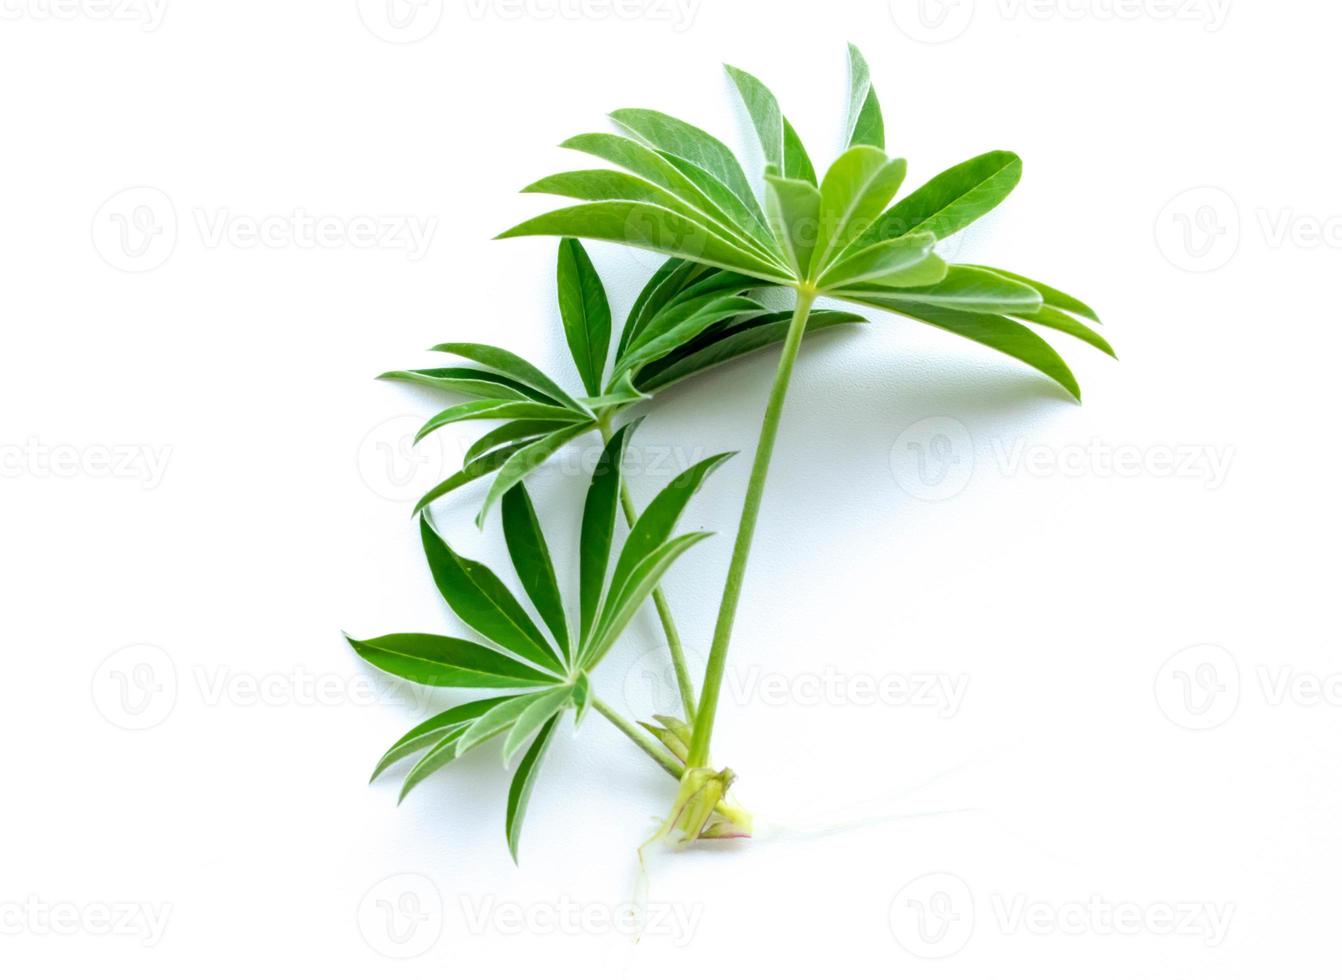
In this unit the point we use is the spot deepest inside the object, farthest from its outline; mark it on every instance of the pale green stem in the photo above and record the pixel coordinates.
(731, 593)
(640, 738)
(673, 643)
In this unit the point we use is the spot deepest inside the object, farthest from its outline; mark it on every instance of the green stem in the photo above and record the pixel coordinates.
(640, 738)
(673, 643)
(731, 593)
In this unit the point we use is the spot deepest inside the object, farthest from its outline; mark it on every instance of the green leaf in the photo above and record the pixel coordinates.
(496, 720)
(882, 260)
(531, 559)
(865, 125)
(524, 780)
(585, 311)
(445, 661)
(536, 714)
(858, 185)
(679, 139)
(484, 603)
(598, 527)
(763, 108)
(658, 521)
(469, 381)
(952, 200)
(525, 460)
(965, 289)
(472, 471)
(744, 338)
(697, 317)
(796, 163)
(508, 363)
(793, 207)
(657, 293)
(582, 697)
(1052, 297)
(442, 752)
(723, 219)
(492, 408)
(1056, 319)
(509, 433)
(430, 732)
(997, 332)
(620, 608)
(650, 227)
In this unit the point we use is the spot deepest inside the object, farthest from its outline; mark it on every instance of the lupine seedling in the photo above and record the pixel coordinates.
(683, 193)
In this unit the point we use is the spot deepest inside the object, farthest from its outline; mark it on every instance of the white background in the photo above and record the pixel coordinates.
(1088, 806)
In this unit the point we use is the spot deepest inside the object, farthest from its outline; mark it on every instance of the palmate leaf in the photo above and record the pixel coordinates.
(843, 239)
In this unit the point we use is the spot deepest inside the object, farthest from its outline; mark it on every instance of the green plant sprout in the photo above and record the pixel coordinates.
(551, 671)
(683, 193)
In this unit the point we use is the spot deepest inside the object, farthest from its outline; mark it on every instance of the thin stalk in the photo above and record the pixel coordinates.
(750, 510)
(683, 681)
(640, 738)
